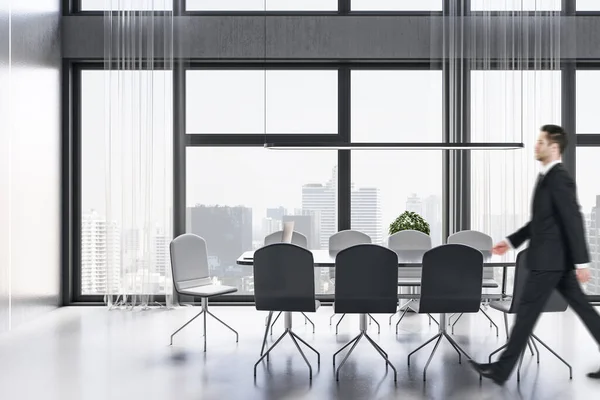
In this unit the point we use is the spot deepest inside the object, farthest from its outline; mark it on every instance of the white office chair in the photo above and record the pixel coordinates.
(189, 262)
(297, 238)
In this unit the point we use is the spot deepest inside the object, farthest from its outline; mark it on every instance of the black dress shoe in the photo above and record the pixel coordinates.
(594, 375)
(489, 371)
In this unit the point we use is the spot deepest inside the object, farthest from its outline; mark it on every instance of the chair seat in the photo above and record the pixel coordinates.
(501, 305)
(487, 283)
(208, 290)
(317, 304)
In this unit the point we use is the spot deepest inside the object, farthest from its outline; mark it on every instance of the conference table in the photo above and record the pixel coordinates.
(406, 259)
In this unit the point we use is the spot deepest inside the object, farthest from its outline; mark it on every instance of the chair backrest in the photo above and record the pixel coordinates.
(297, 239)
(409, 240)
(409, 244)
(366, 280)
(284, 278)
(347, 238)
(189, 261)
(477, 240)
(344, 239)
(556, 302)
(451, 280)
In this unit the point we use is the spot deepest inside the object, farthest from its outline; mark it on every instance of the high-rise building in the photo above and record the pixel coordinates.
(593, 231)
(269, 225)
(228, 233)
(96, 248)
(276, 213)
(366, 213)
(160, 251)
(414, 204)
(308, 225)
(321, 200)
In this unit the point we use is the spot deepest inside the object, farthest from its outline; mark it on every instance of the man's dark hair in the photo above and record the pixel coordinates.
(556, 134)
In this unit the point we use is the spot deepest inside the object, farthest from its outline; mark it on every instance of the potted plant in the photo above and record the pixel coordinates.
(409, 220)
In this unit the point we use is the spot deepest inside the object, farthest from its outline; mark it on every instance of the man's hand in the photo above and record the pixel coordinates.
(583, 274)
(500, 248)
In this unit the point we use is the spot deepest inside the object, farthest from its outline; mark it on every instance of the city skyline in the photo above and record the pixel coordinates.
(314, 210)
(230, 230)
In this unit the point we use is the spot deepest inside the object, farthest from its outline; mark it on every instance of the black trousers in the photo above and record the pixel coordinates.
(538, 288)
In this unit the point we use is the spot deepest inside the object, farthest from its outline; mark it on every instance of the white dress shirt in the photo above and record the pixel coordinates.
(543, 171)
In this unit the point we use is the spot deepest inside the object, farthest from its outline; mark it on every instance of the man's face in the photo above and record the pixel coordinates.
(543, 148)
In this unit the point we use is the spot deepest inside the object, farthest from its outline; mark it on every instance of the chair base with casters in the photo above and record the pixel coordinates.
(343, 315)
(441, 334)
(287, 315)
(206, 312)
(363, 334)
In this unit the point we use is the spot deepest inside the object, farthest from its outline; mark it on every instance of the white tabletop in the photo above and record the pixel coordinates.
(326, 258)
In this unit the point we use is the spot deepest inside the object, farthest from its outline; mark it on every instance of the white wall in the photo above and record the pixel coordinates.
(29, 159)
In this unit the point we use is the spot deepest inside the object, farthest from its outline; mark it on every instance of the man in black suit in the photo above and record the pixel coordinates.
(557, 255)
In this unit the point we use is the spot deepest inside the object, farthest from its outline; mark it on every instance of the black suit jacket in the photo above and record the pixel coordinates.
(556, 236)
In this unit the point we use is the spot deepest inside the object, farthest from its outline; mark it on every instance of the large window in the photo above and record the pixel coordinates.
(396, 106)
(588, 188)
(258, 101)
(516, 5)
(237, 196)
(133, 5)
(588, 5)
(250, 191)
(588, 86)
(261, 5)
(104, 237)
(396, 5)
(387, 183)
(588, 125)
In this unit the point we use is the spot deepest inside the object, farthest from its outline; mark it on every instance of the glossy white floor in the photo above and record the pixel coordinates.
(88, 353)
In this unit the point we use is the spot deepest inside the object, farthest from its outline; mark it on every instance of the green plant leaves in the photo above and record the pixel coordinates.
(409, 220)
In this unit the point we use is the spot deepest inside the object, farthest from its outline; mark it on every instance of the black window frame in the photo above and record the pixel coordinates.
(72, 74)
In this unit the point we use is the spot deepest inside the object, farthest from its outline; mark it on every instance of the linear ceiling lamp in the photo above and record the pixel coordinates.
(394, 146)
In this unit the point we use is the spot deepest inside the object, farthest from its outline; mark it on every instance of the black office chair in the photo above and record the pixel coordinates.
(483, 243)
(450, 283)
(556, 303)
(297, 239)
(284, 280)
(364, 291)
(338, 242)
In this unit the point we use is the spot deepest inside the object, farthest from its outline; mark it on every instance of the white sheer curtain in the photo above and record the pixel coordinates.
(515, 89)
(138, 152)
